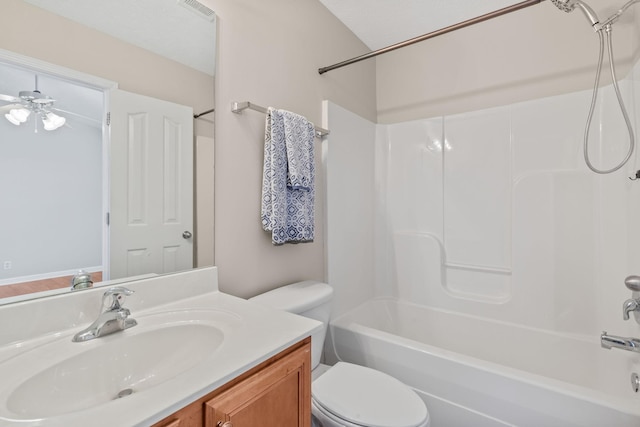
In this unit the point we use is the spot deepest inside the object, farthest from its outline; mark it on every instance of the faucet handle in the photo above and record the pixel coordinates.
(630, 305)
(117, 295)
(633, 283)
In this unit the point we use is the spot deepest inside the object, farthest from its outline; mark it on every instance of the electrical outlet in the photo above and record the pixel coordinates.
(7, 265)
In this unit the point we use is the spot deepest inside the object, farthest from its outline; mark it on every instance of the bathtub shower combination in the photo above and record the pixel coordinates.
(472, 371)
(494, 258)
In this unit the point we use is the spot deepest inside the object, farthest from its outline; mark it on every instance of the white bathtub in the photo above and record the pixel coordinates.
(476, 372)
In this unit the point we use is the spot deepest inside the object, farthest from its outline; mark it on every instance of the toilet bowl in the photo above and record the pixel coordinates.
(346, 395)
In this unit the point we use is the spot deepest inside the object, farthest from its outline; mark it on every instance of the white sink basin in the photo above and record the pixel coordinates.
(72, 377)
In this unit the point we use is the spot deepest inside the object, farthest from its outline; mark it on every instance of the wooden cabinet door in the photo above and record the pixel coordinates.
(277, 396)
(190, 416)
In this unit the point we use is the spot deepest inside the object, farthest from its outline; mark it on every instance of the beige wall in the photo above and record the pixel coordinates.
(535, 52)
(269, 53)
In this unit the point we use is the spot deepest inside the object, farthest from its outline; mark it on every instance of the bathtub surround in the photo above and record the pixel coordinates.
(491, 198)
(493, 216)
(348, 157)
(510, 223)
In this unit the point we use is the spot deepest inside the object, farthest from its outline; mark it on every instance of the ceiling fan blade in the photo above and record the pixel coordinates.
(85, 119)
(8, 107)
(67, 112)
(9, 98)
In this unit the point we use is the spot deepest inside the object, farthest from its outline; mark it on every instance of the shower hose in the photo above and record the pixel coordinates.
(607, 28)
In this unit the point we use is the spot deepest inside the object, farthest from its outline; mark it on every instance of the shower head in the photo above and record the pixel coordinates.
(565, 5)
(569, 5)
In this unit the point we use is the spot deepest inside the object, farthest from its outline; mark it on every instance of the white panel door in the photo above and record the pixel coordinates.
(151, 203)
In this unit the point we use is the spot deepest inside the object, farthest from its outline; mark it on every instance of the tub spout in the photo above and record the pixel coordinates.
(623, 343)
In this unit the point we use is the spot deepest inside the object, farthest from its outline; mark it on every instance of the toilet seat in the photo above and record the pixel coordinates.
(326, 418)
(362, 396)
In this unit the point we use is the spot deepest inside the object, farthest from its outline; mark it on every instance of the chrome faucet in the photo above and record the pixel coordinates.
(623, 343)
(81, 280)
(115, 318)
(632, 304)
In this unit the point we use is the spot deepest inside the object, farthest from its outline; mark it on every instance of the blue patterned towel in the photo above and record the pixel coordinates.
(288, 191)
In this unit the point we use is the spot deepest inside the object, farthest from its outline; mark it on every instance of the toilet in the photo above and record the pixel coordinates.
(346, 395)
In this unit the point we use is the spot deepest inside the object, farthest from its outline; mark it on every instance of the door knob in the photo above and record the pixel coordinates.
(227, 424)
(187, 235)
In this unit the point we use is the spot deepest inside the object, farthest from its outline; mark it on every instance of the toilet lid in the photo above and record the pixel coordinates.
(368, 397)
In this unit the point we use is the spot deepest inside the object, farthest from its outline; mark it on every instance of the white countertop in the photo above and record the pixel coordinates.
(252, 335)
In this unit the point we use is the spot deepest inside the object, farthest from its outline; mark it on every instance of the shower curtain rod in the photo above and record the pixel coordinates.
(239, 107)
(432, 34)
(195, 116)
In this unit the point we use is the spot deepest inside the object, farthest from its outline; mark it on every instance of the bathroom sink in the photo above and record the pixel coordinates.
(73, 377)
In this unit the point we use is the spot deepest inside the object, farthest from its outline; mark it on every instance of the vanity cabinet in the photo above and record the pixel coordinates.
(276, 393)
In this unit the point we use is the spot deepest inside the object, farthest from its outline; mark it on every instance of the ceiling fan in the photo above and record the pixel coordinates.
(34, 103)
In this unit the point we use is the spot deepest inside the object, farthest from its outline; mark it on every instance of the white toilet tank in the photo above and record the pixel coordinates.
(309, 299)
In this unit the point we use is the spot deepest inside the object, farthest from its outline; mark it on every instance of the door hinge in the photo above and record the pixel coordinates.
(109, 119)
(108, 218)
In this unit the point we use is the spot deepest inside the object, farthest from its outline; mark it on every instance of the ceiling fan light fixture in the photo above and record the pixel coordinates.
(12, 119)
(52, 121)
(38, 104)
(20, 114)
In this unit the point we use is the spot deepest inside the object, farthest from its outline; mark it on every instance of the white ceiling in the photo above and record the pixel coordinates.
(381, 23)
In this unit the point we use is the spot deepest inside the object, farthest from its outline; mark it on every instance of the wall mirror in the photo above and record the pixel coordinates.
(64, 180)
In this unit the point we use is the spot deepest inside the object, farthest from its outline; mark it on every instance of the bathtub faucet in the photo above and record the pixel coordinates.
(630, 305)
(623, 343)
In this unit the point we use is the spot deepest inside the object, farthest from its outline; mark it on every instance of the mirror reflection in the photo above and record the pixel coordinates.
(79, 190)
